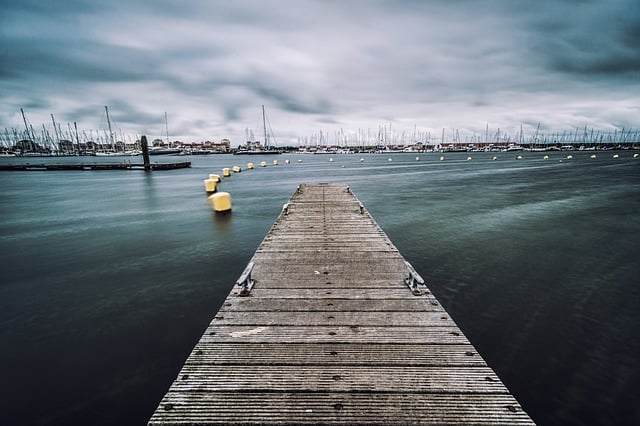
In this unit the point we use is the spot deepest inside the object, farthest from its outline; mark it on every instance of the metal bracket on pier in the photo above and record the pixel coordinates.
(246, 281)
(413, 280)
(361, 209)
(285, 209)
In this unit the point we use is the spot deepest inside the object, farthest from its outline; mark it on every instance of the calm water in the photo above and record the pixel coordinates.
(109, 278)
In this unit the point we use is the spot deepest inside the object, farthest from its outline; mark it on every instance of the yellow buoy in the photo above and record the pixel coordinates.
(220, 202)
(250, 166)
(263, 164)
(417, 158)
(236, 169)
(217, 178)
(593, 156)
(442, 158)
(275, 162)
(226, 172)
(210, 185)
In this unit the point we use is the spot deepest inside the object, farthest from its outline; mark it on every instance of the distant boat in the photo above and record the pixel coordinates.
(163, 150)
(158, 150)
(254, 148)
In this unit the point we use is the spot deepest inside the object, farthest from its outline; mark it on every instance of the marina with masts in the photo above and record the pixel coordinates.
(56, 139)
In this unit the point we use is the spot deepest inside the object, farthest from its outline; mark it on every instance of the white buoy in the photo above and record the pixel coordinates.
(442, 158)
(468, 158)
(362, 160)
(593, 156)
(275, 162)
(210, 185)
(226, 172)
(569, 157)
(417, 158)
(546, 157)
(494, 158)
(236, 169)
(519, 157)
(636, 155)
(263, 164)
(220, 202)
(331, 159)
(299, 161)
(616, 156)
(215, 177)
(390, 160)
(250, 166)
(287, 161)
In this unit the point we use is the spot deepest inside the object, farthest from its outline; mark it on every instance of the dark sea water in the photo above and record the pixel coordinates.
(110, 277)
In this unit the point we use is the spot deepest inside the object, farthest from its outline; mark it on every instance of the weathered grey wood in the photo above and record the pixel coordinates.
(331, 334)
(367, 354)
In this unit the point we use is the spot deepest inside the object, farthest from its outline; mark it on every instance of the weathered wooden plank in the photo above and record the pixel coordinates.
(334, 334)
(338, 409)
(416, 304)
(329, 333)
(332, 378)
(368, 354)
(332, 318)
(401, 292)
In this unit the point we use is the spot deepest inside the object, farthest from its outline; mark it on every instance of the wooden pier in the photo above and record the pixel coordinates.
(125, 165)
(329, 324)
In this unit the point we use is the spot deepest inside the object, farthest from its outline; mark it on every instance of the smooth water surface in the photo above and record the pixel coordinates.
(110, 277)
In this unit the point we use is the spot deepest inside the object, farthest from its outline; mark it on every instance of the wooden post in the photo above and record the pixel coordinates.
(145, 153)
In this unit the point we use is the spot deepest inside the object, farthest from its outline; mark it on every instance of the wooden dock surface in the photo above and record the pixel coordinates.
(325, 330)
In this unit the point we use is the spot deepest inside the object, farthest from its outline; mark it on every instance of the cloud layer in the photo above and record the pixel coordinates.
(321, 65)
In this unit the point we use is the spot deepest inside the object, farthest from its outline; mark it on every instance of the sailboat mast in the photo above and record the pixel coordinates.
(166, 126)
(113, 147)
(264, 125)
(26, 126)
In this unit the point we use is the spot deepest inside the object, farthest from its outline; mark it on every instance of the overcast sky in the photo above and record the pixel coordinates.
(320, 65)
